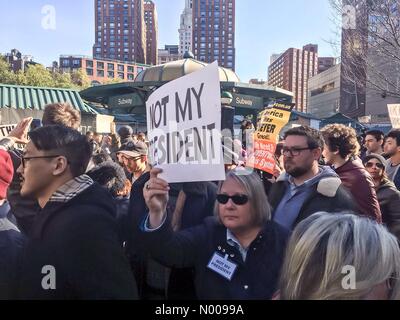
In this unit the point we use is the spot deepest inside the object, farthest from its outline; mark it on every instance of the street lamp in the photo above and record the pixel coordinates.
(227, 111)
(226, 98)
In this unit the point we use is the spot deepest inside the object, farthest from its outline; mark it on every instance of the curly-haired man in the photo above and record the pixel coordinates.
(341, 149)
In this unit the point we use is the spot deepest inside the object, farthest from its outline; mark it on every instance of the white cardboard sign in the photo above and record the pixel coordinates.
(184, 128)
(394, 113)
(5, 129)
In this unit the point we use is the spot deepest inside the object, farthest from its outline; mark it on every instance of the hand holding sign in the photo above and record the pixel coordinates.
(155, 194)
(20, 133)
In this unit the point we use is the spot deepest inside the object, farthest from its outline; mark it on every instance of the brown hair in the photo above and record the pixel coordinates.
(339, 137)
(61, 114)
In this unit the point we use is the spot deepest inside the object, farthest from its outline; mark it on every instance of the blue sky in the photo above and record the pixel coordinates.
(263, 27)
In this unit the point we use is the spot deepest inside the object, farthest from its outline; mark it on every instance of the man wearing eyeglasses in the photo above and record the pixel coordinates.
(74, 250)
(133, 157)
(305, 187)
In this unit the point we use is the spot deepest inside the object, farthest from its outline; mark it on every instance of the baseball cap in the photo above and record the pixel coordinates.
(125, 131)
(134, 149)
(377, 157)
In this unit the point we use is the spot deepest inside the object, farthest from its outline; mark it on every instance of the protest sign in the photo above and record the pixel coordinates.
(5, 129)
(271, 122)
(394, 113)
(184, 128)
(104, 123)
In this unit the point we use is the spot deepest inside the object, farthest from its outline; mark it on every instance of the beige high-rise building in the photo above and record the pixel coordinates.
(185, 30)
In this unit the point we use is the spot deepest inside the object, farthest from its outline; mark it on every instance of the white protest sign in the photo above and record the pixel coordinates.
(394, 113)
(184, 128)
(103, 123)
(5, 129)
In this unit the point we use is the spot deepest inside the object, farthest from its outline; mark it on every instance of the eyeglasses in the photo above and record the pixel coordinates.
(25, 159)
(371, 164)
(293, 152)
(240, 199)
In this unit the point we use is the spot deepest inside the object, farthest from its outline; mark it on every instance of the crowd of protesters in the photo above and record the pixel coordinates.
(87, 217)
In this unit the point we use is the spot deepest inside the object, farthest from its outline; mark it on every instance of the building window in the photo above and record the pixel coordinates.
(110, 66)
(100, 73)
(121, 75)
(89, 63)
(110, 74)
(89, 72)
(130, 76)
(100, 65)
(130, 69)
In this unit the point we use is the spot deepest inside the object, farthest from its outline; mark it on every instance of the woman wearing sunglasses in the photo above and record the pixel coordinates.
(388, 195)
(237, 255)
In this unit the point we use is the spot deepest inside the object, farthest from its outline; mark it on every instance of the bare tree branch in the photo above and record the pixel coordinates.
(373, 46)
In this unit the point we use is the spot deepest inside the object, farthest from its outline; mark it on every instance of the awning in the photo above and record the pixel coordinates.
(36, 98)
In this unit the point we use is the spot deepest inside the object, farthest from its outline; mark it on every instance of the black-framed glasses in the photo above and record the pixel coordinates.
(293, 152)
(239, 199)
(25, 159)
(371, 164)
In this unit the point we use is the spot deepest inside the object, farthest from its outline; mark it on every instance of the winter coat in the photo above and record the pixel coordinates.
(78, 240)
(328, 195)
(397, 180)
(11, 243)
(389, 201)
(199, 204)
(254, 279)
(361, 186)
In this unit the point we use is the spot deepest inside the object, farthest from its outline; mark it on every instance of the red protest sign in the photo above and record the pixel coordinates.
(263, 156)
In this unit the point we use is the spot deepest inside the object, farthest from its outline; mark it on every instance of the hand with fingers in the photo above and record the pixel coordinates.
(20, 133)
(155, 194)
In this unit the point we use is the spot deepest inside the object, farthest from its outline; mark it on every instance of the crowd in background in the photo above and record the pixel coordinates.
(93, 210)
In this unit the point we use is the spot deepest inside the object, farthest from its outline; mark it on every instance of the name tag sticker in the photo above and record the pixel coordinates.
(222, 266)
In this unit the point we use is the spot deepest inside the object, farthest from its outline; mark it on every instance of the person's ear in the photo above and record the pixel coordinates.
(60, 165)
(317, 153)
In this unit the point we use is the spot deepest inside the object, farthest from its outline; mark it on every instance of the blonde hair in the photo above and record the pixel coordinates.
(252, 184)
(322, 245)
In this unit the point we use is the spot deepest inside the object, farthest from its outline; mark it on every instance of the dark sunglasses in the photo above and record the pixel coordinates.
(239, 200)
(371, 164)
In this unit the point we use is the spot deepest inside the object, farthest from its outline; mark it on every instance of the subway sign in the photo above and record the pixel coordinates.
(126, 101)
(245, 101)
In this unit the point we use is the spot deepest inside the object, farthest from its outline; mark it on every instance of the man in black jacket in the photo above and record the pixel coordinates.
(74, 251)
(305, 188)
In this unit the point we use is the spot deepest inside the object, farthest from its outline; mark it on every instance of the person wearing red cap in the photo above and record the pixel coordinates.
(10, 238)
